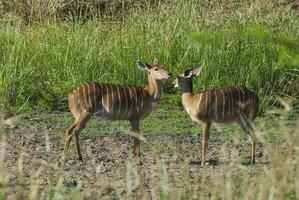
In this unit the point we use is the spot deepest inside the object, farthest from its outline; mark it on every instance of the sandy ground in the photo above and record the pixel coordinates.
(32, 161)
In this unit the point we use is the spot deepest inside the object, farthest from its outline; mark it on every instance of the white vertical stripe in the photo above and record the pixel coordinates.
(101, 96)
(239, 91)
(84, 94)
(112, 99)
(94, 97)
(216, 105)
(232, 101)
(231, 97)
(78, 88)
(136, 100)
(199, 101)
(107, 96)
(210, 103)
(223, 104)
(126, 98)
(239, 101)
(229, 101)
(243, 99)
(141, 96)
(89, 97)
(207, 99)
(131, 100)
(119, 101)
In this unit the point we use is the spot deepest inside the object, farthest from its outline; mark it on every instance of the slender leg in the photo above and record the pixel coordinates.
(75, 130)
(136, 148)
(78, 146)
(204, 141)
(80, 126)
(68, 138)
(246, 126)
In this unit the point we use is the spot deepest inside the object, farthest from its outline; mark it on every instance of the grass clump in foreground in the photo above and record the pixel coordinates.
(41, 63)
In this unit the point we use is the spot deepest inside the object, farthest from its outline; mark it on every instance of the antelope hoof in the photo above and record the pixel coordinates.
(138, 161)
(80, 159)
(205, 163)
(61, 162)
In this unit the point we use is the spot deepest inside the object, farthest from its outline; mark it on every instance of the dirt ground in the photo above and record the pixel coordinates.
(171, 163)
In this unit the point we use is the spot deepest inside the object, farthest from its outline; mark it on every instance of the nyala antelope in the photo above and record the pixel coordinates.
(230, 104)
(116, 102)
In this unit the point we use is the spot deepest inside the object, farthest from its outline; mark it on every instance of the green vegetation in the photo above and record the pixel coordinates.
(41, 62)
(47, 48)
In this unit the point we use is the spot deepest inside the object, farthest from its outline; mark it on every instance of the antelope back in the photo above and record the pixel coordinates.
(110, 101)
(225, 104)
(120, 101)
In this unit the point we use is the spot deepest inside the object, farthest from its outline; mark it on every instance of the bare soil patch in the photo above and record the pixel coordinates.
(32, 161)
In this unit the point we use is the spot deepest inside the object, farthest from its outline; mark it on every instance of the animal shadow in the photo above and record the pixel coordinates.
(212, 162)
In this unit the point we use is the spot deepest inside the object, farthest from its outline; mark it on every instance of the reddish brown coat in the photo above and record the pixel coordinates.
(229, 104)
(116, 102)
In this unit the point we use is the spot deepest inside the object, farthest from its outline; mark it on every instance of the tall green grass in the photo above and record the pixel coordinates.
(41, 63)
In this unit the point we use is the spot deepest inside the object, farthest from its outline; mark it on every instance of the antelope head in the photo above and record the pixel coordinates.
(156, 71)
(185, 79)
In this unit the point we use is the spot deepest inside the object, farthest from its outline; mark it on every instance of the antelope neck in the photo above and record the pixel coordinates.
(154, 87)
(187, 87)
(187, 92)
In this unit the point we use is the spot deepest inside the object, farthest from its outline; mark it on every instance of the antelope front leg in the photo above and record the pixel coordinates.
(204, 141)
(136, 148)
(68, 137)
(247, 127)
(78, 146)
(75, 130)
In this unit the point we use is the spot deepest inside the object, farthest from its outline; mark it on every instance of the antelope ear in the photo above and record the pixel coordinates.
(156, 61)
(188, 73)
(143, 66)
(196, 71)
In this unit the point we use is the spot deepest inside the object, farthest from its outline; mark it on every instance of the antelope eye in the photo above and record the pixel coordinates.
(156, 69)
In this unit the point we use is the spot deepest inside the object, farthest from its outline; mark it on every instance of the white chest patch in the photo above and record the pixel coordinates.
(187, 109)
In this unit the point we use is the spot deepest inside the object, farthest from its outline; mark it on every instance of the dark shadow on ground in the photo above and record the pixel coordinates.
(213, 162)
